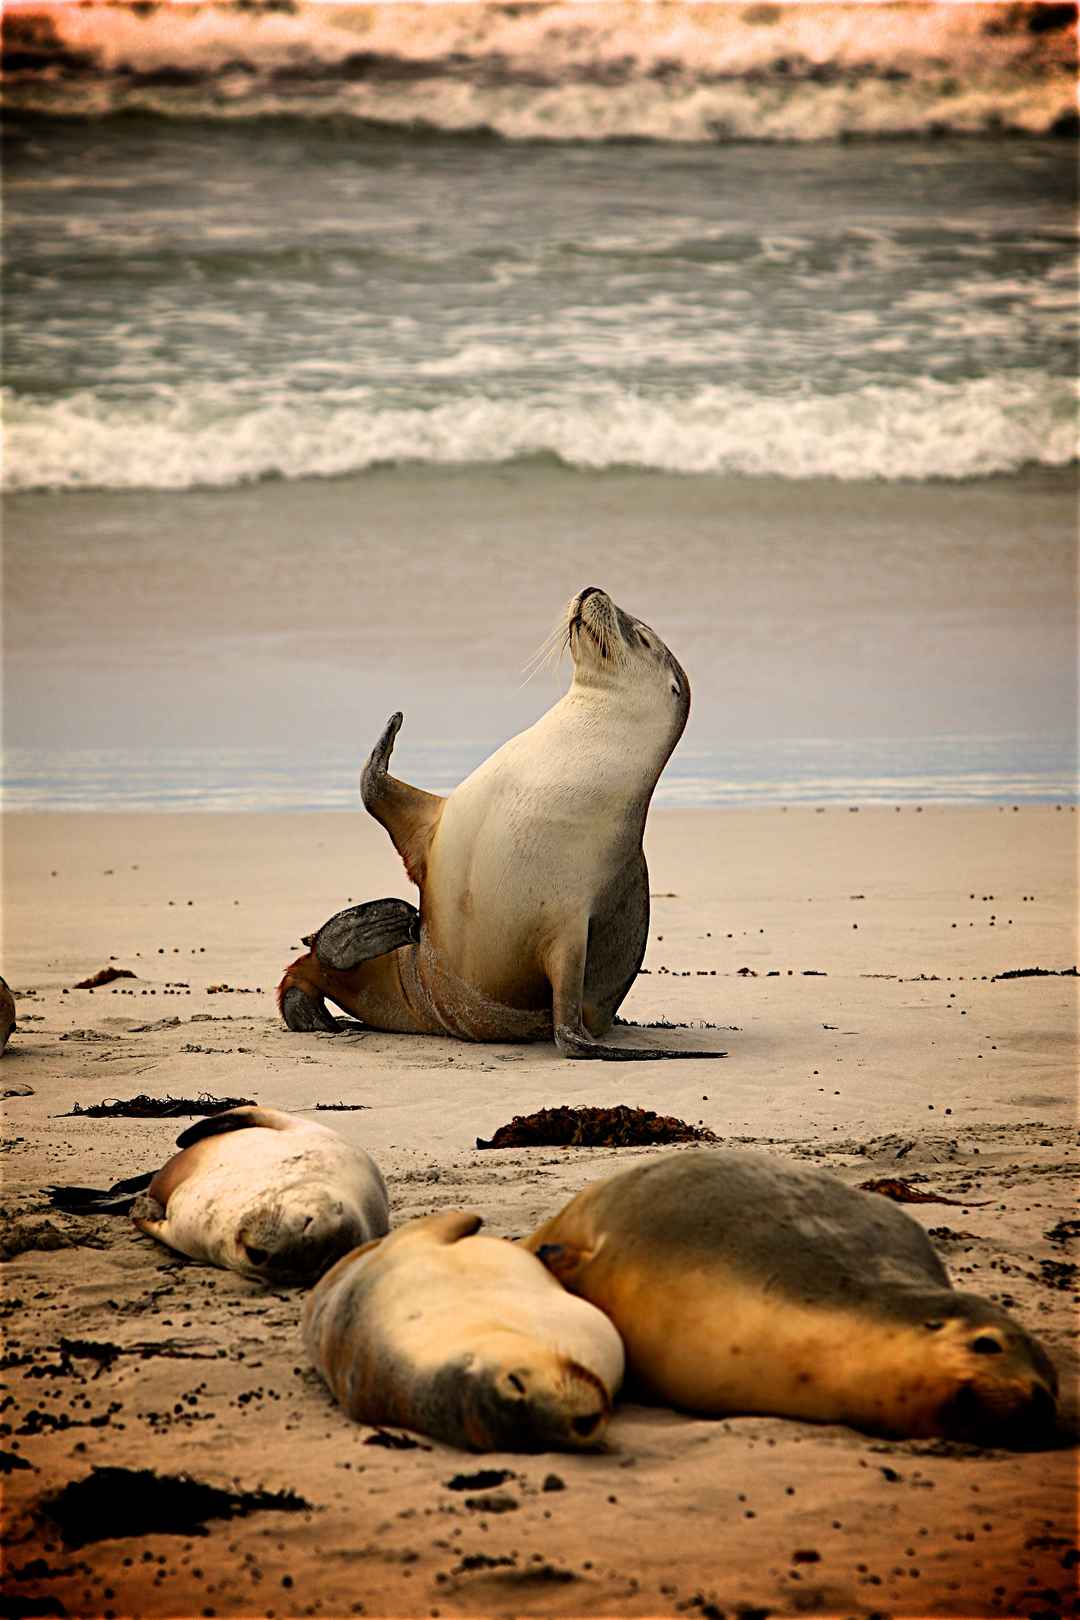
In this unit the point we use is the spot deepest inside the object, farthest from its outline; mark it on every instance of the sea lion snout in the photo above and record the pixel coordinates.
(1012, 1414)
(282, 1245)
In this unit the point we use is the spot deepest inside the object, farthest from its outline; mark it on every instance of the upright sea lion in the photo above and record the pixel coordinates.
(465, 1338)
(254, 1190)
(534, 893)
(741, 1283)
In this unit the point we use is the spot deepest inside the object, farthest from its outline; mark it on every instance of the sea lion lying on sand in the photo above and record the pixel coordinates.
(742, 1283)
(465, 1338)
(257, 1191)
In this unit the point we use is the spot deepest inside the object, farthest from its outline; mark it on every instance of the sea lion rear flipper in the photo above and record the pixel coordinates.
(236, 1119)
(409, 814)
(303, 1010)
(117, 1200)
(362, 932)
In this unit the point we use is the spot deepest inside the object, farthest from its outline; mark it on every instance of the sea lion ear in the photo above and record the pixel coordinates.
(563, 1260)
(235, 1119)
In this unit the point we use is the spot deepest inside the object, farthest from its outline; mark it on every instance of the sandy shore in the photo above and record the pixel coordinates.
(847, 960)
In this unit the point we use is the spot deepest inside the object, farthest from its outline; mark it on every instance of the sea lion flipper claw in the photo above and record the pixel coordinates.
(362, 932)
(305, 1012)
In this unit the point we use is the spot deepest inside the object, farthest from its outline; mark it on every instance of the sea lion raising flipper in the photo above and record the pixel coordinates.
(534, 910)
(254, 1190)
(744, 1284)
(466, 1338)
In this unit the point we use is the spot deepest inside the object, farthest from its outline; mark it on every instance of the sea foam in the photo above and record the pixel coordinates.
(208, 435)
(583, 70)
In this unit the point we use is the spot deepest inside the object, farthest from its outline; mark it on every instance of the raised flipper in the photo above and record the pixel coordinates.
(365, 931)
(566, 971)
(117, 1200)
(409, 814)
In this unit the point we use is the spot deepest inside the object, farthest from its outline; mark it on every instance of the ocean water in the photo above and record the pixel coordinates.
(818, 245)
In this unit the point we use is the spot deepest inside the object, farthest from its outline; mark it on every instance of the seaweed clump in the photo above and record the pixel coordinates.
(595, 1127)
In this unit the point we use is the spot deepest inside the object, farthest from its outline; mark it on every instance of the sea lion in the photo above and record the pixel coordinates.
(741, 1283)
(465, 1338)
(534, 893)
(7, 1014)
(263, 1193)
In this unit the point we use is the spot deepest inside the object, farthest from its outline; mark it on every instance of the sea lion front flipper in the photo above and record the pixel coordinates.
(362, 932)
(236, 1119)
(148, 1215)
(450, 1225)
(409, 814)
(566, 972)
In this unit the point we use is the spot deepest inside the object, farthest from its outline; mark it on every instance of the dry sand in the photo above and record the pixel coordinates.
(880, 1045)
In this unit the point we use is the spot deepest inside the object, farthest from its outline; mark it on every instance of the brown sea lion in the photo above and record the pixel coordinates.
(466, 1338)
(742, 1283)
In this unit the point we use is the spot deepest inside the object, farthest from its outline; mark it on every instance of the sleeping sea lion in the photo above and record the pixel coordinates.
(464, 1338)
(264, 1193)
(742, 1283)
(534, 893)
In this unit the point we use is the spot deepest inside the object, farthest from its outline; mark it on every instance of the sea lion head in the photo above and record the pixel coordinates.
(1001, 1386)
(524, 1396)
(294, 1238)
(612, 649)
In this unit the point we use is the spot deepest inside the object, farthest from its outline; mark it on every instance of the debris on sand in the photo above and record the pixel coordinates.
(36, 1232)
(395, 1442)
(146, 1107)
(111, 1503)
(1037, 973)
(594, 1127)
(902, 1192)
(340, 1108)
(104, 975)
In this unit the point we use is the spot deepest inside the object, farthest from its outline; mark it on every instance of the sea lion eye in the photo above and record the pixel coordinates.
(985, 1346)
(933, 1327)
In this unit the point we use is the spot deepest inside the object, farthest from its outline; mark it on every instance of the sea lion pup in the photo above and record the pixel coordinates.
(534, 893)
(261, 1192)
(7, 1014)
(468, 1339)
(741, 1283)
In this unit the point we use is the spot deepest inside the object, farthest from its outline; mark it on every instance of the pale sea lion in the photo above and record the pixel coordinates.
(534, 893)
(741, 1284)
(7, 1014)
(465, 1338)
(264, 1193)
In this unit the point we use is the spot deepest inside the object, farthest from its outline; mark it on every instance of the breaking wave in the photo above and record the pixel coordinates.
(572, 70)
(208, 435)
